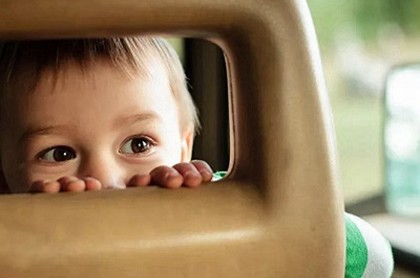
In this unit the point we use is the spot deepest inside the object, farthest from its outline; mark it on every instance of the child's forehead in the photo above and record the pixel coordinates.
(101, 74)
(149, 69)
(96, 89)
(74, 73)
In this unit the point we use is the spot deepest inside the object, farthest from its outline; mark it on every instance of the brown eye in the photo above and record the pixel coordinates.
(58, 154)
(136, 145)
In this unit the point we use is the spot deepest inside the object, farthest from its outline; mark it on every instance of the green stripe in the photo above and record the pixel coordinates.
(219, 175)
(356, 250)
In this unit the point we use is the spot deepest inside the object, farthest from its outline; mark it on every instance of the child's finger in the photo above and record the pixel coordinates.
(45, 187)
(192, 178)
(92, 184)
(139, 180)
(204, 169)
(166, 176)
(67, 179)
(72, 184)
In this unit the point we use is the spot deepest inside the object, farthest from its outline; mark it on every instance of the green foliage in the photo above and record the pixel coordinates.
(365, 16)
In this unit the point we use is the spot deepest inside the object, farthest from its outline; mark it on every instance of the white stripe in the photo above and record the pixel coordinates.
(380, 261)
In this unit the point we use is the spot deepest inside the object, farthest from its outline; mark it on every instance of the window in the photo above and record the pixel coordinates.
(359, 42)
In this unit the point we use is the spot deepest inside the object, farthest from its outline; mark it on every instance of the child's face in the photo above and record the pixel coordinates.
(97, 123)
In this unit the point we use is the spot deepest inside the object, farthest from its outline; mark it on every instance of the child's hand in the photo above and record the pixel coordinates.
(182, 174)
(66, 184)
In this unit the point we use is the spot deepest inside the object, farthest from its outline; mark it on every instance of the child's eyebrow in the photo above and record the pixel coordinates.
(139, 117)
(37, 131)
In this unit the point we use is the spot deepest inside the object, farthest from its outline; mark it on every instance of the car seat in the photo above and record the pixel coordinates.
(278, 213)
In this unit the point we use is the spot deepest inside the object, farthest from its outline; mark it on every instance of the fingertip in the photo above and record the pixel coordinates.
(92, 184)
(192, 179)
(206, 175)
(139, 181)
(67, 179)
(50, 187)
(74, 186)
(166, 176)
(173, 180)
(201, 165)
(204, 169)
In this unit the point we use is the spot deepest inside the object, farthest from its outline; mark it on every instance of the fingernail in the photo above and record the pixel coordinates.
(190, 174)
(172, 175)
(206, 173)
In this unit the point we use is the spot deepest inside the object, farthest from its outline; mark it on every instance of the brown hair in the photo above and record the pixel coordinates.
(22, 64)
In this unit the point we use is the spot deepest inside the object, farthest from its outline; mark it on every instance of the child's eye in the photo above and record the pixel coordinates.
(58, 154)
(137, 145)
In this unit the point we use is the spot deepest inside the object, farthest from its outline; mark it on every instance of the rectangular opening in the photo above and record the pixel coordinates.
(65, 95)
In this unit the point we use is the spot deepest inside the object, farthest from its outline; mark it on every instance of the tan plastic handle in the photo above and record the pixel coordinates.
(278, 214)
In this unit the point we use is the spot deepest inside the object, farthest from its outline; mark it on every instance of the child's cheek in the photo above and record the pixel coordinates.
(42, 172)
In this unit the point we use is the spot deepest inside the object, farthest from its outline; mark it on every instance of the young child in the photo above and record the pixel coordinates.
(123, 123)
(94, 114)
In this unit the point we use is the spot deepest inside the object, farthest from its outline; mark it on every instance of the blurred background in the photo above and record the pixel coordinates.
(359, 42)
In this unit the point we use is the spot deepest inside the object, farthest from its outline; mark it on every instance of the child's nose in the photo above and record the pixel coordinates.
(104, 169)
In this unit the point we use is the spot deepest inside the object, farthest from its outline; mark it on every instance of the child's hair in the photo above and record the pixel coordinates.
(22, 64)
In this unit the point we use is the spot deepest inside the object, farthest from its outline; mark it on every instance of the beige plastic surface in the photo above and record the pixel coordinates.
(278, 214)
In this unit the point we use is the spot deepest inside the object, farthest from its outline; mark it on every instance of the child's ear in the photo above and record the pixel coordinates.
(187, 141)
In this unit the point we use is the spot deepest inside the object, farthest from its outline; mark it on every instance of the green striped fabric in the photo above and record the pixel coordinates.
(219, 175)
(369, 254)
(356, 250)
